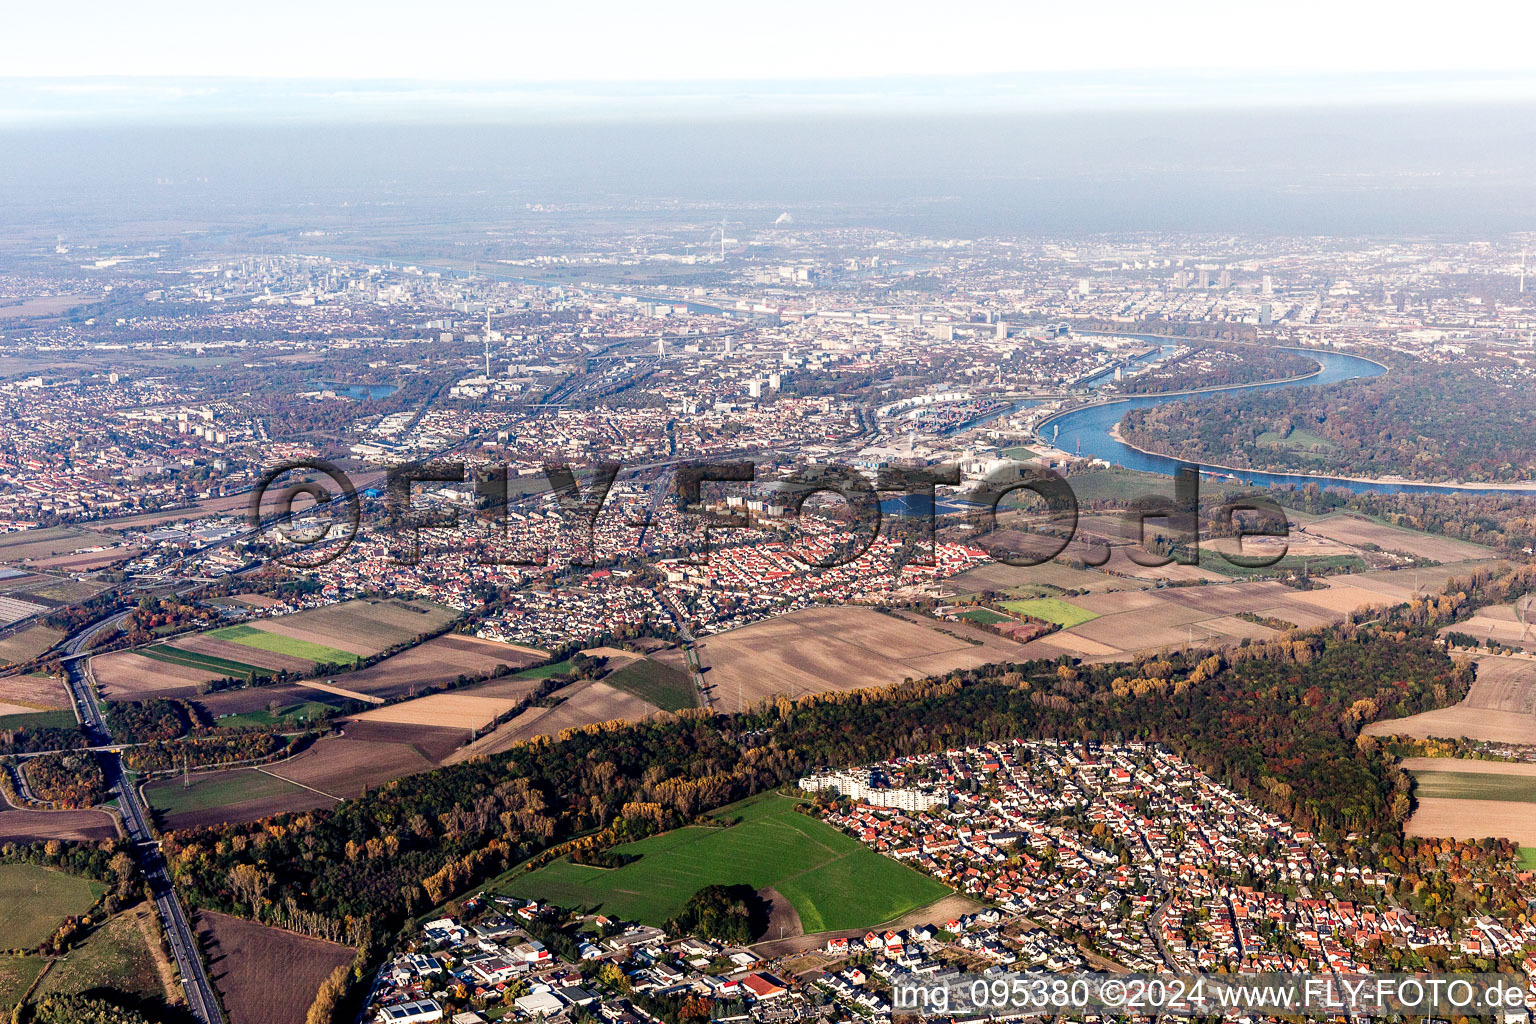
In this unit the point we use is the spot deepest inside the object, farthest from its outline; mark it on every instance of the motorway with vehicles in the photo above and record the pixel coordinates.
(201, 1001)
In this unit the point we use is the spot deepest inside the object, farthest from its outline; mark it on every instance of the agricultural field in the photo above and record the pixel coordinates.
(831, 880)
(580, 704)
(139, 675)
(28, 644)
(1469, 799)
(266, 975)
(1500, 707)
(242, 794)
(442, 710)
(35, 545)
(289, 715)
(34, 691)
(655, 682)
(117, 956)
(1500, 623)
(35, 900)
(1128, 622)
(1044, 578)
(334, 635)
(1359, 532)
(279, 643)
(1052, 609)
(13, 716)
(361, 627)
(366, 755)
(26, 825)
(843, 648)
(438, 661)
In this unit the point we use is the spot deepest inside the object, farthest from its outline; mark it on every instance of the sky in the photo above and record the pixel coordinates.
(293, 59)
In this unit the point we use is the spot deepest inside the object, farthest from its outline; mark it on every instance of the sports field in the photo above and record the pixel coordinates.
(34, 900)
(1052, 609)
(832, 881)
(277, 643)
(984, 616)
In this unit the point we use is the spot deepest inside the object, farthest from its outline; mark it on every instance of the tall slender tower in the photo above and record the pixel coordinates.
(487, 342)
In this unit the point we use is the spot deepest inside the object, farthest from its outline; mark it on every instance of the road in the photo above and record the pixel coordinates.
(200, 998)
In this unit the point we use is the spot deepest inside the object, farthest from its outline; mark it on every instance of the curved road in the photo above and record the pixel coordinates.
(200, 998)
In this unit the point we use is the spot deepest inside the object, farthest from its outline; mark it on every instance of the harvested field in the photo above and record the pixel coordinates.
(1500, 707)
(1474, 819)
(1356, 532)
(34, 691)
(34, 826)
(820, 649)
(442, 710)
(1460, 721)
(1173, 617)
(440, 660)
(1500, 623)
(339, 691)
(125, 675)
(998, 576)
(361, 627)
(584, 704)
(266, 975)
(46, 543)
(1504, 684)
(28, 644)
(86, 561)
(1341, 597)
(367, 755)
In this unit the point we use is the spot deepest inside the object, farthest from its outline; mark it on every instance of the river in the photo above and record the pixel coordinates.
(1090, 427)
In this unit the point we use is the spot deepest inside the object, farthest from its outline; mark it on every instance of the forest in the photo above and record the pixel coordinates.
(1212, 366)
(70, 779)
(1435, 422)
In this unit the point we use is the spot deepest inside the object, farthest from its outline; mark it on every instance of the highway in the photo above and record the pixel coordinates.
(200, 998)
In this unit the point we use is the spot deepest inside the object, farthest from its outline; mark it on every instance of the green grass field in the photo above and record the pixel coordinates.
(832, 881)
(1475, 786)
(1526, 858)
(544, 671)
(175, 656)
(40, 720)
(113, 957)
(250, 636)
(1052, 609)
(292, 715)
(985, 616)
(668, 688)
(34, 900)
(169, 797)
(17, 973)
